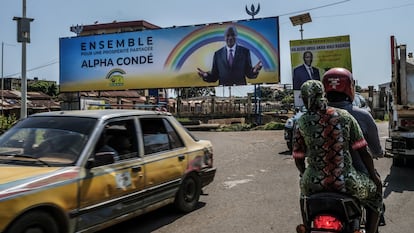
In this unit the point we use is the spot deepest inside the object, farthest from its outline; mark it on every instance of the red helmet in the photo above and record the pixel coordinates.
(339, 80)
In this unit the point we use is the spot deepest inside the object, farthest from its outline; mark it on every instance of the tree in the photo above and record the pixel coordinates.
(43, 86)
(266, 93)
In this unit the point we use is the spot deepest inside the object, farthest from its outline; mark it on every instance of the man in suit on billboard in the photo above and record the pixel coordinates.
(232, 63)
(305, 71)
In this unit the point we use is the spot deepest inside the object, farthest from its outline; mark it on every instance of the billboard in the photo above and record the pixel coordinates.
(311, 58)
(166, 58)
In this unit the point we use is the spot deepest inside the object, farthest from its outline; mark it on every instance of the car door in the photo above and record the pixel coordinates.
(112, 188)
(164, 156)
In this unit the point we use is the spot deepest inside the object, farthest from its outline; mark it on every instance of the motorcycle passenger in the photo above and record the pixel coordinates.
(340, 91)
(325, 136)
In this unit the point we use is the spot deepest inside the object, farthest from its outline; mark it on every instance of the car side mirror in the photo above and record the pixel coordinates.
(100, 159)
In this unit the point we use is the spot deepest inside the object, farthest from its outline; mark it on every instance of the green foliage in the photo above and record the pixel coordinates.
(6, 122)
(266, 93)
(181, 119)
(274, 126)
(235, 127)
(285, 96)
(192, 92)
(247, 127)
(43, 86)
(386, 117)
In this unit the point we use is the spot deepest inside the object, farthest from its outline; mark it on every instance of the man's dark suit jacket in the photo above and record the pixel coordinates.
(234, 75)
(301, 75)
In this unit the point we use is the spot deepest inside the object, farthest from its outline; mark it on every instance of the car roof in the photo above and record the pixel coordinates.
(101, 114)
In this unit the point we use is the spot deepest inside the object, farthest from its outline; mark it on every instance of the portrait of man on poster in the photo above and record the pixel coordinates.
(305, 71)
(231, 63)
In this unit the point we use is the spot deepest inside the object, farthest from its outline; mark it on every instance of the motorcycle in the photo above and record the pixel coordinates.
(329, 212)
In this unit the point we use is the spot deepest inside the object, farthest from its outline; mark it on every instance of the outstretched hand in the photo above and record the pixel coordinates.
(202, 73)
(257, 67)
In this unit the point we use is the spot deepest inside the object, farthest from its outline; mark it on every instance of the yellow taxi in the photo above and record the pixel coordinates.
(82, 171)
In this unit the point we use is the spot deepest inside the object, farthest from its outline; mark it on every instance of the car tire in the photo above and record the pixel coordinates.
(35, 221)
(188, 195)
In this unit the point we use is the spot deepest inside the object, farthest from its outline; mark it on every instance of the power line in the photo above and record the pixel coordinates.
(314, 8)
(350, 14)
(368, 11)
(35, 68)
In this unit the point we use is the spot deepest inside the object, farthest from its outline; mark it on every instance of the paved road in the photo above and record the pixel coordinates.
(256, 190)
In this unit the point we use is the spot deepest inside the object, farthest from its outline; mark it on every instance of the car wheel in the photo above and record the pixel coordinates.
(34, 222)
(188, 195)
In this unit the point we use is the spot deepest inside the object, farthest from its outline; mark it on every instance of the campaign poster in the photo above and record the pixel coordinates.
(166, 58)
(311, 58)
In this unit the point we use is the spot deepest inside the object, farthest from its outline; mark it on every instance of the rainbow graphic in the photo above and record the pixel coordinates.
(247, 37)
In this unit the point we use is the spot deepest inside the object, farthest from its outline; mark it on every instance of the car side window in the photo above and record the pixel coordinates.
(175, 140)
(154, 135)
(118, 139)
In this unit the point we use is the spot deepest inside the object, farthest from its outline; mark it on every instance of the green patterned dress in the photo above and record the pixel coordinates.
(325, 138)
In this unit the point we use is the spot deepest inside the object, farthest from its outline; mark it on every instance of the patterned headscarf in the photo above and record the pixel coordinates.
(313, 95)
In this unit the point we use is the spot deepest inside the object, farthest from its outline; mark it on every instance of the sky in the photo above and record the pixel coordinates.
(369, 23)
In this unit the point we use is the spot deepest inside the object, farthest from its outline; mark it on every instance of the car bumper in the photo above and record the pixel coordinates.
(397, 147)
(207, 176)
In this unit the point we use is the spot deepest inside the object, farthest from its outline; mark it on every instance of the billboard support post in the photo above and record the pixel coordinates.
(257, 110)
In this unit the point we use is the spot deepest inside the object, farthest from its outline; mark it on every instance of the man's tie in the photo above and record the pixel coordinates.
(311, 72)
(230, 57)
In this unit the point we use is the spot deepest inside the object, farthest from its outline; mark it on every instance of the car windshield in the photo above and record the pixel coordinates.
(46, 141)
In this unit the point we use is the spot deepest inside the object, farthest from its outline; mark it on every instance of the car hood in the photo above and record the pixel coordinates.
(23, 178)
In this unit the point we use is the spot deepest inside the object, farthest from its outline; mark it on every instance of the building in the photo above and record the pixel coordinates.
(114, 27)
(16, 83)
(10, 103)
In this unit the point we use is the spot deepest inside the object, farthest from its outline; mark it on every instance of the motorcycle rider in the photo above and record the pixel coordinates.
(325, 136)
(340, 91)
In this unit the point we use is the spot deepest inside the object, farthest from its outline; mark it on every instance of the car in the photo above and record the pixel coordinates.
(361, 102)
(290, 125)
(55, 179)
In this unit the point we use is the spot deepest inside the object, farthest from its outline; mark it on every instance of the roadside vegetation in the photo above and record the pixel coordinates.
(6, 122)
(248, 127)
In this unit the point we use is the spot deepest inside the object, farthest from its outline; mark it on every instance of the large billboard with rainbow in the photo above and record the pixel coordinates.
(169, 57)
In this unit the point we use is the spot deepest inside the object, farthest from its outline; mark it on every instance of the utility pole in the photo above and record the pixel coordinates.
(23, 36)
(2, 81)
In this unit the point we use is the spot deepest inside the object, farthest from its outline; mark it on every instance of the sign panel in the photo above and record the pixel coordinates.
(311, 58)
(165, 58)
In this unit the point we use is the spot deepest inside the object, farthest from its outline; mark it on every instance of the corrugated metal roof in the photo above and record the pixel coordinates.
(11, 99)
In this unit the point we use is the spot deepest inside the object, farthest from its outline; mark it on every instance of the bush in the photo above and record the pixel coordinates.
(246, 127)
(274, 126)
(6, 122)
(235, 127)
